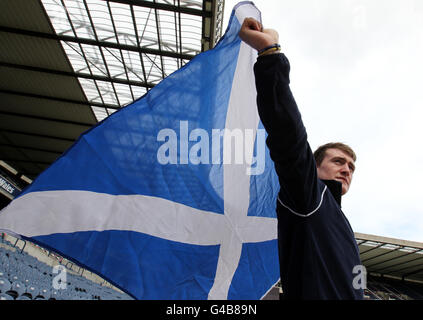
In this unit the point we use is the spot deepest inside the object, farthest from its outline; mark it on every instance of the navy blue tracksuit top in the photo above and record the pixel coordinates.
(317, 248)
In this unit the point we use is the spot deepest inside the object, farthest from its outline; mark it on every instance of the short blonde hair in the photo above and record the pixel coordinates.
(320, 152)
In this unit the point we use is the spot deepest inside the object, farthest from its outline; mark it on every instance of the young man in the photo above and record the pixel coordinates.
(317, 248)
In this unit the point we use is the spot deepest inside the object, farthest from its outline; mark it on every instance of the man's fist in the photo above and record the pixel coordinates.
(253, 34)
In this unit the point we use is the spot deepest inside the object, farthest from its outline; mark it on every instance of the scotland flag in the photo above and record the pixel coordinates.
(172, 197)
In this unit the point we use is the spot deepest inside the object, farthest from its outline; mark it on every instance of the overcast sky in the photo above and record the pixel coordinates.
(356, 74)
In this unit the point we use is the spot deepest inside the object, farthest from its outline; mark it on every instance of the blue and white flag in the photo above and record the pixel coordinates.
(174, 196)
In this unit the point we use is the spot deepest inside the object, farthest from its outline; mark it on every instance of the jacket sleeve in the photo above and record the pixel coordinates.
(287, 137)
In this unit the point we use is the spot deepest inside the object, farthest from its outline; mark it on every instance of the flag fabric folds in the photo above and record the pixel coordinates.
(156, 199)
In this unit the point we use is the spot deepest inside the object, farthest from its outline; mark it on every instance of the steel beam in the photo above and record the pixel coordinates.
(93, 42)
(77, 74)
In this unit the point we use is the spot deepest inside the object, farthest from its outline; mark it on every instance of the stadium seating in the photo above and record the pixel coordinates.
(382, 288)
(24, 277)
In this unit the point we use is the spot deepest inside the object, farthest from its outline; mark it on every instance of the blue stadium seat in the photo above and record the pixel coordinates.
(18, 287)
(3, 258)
(13, 277)
(32, 290)
(64, 295)
(5, 265)
(5, 296)
(54, 295)
(5, 285)
(84, 296)
(45, 293)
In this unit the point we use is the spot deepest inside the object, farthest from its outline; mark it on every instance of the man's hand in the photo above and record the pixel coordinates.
(253, 34)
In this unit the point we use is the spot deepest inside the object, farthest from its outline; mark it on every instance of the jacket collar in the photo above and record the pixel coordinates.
(335, 188)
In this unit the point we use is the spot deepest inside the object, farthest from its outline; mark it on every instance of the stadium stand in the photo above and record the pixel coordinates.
(378, 288)
(24, 276)
(382, 288)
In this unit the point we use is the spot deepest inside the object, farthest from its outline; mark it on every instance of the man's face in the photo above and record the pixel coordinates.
(337, 165)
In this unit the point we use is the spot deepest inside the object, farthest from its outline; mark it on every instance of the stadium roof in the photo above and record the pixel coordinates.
(389, 257)
(67, 64)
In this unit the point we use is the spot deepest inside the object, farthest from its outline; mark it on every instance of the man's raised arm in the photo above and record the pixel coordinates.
(278, 111)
